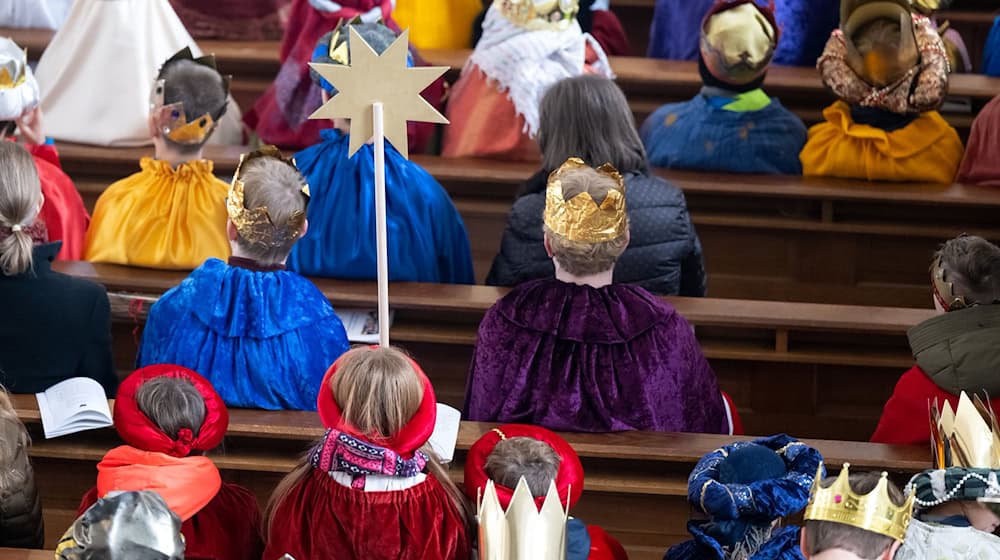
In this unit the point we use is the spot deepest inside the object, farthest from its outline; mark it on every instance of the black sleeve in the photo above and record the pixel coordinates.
(693, 278)
(98, 359)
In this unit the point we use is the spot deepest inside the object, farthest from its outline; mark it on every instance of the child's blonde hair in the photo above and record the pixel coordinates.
(172, 403)
(14, 441)
(20, 199)
(378, 391)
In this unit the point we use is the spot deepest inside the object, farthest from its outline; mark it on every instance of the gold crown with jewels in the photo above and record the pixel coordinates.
(874, 511)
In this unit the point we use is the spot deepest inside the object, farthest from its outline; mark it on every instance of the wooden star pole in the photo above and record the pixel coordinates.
(379, 94)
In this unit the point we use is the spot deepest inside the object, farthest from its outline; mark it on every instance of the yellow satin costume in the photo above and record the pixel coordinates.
(926, 150)
(438, 24)
(161, 218)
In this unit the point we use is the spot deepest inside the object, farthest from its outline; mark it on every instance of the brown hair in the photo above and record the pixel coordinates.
(878, 34)
(13, 444)
(172, 403)
(972, 265)
(526, 457)
(827, 535)
(378, 392)
(199, 89)
(588, 117)
(577, 257)
(20, 198)
(273, 184)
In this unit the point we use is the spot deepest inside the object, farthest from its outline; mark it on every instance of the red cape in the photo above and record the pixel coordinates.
(904, 418)
(319, 518)
(228, 528)
(64, 214)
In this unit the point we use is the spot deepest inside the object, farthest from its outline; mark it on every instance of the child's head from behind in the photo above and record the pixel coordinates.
(195, 90)
(966, 272)
(377, 390)
(883, 43)
(268, 217)
(820, 536)
(20, 201)
(523, 457)
(172, 404)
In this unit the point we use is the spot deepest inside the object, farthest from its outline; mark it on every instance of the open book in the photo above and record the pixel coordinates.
(74, 405)
(445, 436)
(362, 324)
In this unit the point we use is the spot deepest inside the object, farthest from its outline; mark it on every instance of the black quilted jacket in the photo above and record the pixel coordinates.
(664, 255)
(20, 508)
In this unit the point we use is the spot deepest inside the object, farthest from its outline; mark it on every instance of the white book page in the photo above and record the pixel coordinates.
(445, 436)
(73, 405)
(362, 324)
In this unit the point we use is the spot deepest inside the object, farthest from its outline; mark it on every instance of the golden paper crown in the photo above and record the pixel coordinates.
(172, 120)
(535, 15)
(873, 511)
(966, 437)
(737, 44)
(523, 532)
(580, 218)
(254, 224)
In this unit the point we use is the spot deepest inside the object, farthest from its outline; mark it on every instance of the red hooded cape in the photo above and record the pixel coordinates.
(64, 214)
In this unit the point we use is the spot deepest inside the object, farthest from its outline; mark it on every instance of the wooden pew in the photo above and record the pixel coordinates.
(25, 554)
(827, 370)
(766, 237)
(647, 83)
(636, 485)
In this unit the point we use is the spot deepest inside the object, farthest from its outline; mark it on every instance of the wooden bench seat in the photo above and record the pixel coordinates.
(25, 554)
(636, 483)
(782, 238)
(825, 369)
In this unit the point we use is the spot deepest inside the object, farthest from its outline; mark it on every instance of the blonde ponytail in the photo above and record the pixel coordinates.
(20, 199)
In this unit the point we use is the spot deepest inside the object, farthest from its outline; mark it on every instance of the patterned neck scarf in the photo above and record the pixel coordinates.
(340, 452)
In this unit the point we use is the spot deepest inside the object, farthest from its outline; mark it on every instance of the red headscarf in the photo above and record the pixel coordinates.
(140, 432)
(981, 164)
(569, 479)
(404, 442)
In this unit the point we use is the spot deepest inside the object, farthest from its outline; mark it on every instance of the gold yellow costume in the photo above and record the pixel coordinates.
(926, 150)
(161, 218)
(438, 24)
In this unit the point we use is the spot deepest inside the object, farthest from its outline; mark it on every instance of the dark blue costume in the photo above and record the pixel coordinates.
(991, 55)
(701, 135)
(264, 339)
(427, 239)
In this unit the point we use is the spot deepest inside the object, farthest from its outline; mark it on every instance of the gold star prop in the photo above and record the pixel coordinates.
(371, 79)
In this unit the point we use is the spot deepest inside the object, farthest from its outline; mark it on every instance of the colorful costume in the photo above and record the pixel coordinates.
(221, 520)
(354, 501)
(980, 164)
(885, 127)
(125, 526)
(804, 26)
(44, 14)
(105, 58)
(493, 107)
(991, 54)
(742, 488)
(63, 212)
(583, 542)
(438, 24)
(239, 20)
(732, 125)
(595, 17)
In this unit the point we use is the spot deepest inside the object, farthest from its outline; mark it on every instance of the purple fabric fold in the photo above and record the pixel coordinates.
(576, 358)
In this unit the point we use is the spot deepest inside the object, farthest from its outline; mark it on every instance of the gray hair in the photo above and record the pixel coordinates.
(172, 403)
(274, 184)
(199, 89)
(526, 457)
(588, 117)
(20, 198)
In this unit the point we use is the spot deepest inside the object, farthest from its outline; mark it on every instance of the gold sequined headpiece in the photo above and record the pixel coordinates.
(536, 15)
(580, 218)
(254, 224)
(874, 511)
(171, 120)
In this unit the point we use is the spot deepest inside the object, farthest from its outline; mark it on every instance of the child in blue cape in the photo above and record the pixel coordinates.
(427, 239)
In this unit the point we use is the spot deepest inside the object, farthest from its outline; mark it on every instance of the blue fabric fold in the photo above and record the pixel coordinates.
(991, 55)
(264, 339)
(783, 545)
(427, 238)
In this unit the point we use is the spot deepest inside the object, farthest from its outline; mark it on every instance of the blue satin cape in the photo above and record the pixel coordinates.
(700, 135)
(427, 239)
(264, 339)
(991, 55)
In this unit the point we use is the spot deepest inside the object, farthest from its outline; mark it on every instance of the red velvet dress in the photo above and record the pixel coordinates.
(904, 418)
(228, 528)
(64, 214)
(320, 518)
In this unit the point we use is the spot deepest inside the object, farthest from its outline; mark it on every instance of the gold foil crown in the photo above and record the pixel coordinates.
(254, 224)
(580, 218)
(536, 15)
(523, 532)
(873, 511)
(965, 437)
(171, 120)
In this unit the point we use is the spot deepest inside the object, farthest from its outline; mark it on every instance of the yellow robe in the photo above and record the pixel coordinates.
(438, 24)
(926, 150)
(161, 218)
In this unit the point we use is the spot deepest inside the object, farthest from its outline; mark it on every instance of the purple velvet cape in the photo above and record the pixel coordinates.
(576, 358)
